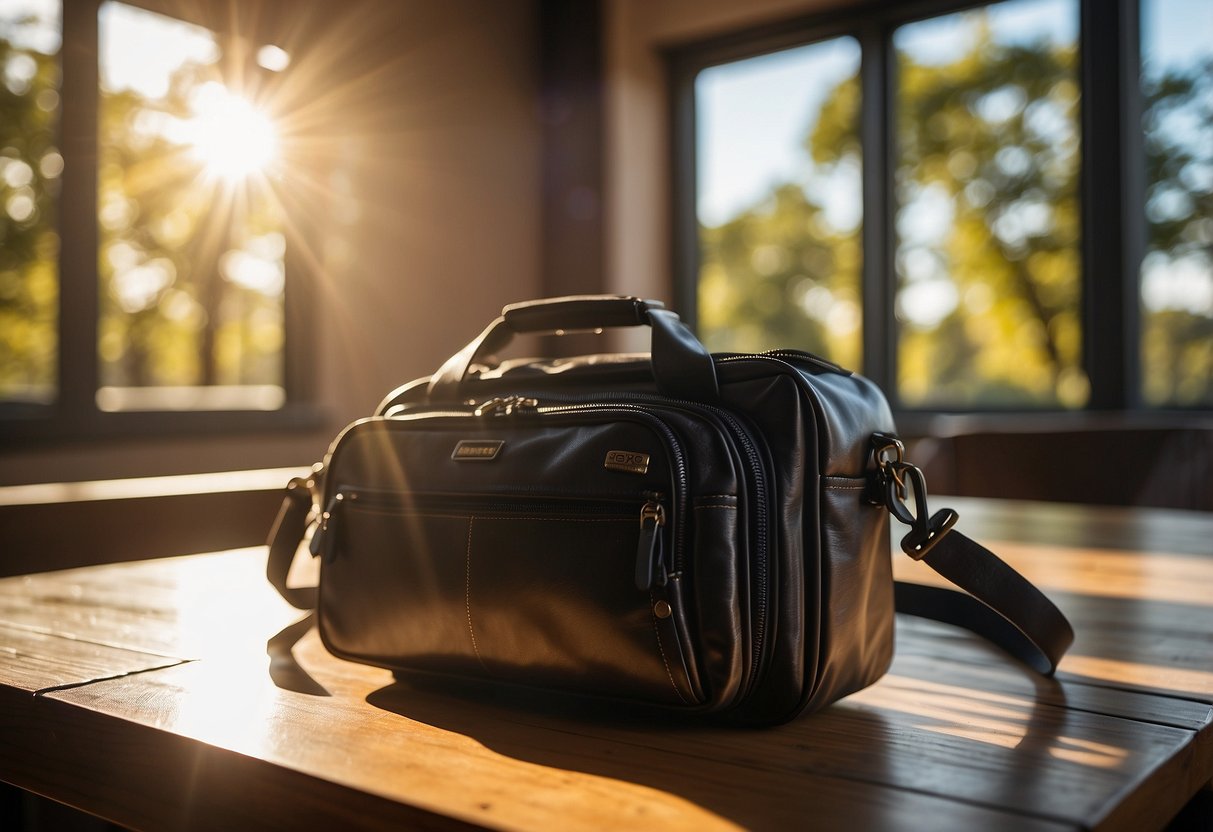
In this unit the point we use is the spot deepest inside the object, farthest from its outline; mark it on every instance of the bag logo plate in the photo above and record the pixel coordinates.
(631, 462)
(477, 450)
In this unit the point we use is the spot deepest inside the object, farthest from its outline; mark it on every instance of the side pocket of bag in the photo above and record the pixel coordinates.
(857, 578)
(722, 594)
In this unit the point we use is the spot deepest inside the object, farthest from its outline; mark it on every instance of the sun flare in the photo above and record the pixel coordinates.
(229, 135)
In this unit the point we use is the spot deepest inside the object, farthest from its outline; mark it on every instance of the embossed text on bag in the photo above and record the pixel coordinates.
(631, 462)
(477, 450)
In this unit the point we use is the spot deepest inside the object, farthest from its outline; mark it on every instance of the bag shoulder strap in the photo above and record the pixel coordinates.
(998, 603)
(286, 534)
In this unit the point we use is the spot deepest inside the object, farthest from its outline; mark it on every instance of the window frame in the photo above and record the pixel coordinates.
(1111, 190)
(74, 412)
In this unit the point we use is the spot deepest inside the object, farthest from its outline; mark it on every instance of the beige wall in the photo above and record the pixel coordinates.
(638, 129)
(420, 154)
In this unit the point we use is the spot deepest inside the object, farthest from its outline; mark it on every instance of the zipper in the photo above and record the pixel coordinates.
(515, 405)
(650, 549)
(761, 542)
(325, 532)
(762, 520)
(650, 558)
(753, 457)
(681, 485)
(787, 355)
(503, 405)
(504, 502)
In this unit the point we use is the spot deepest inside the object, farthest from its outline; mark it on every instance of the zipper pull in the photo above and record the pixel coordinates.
(505, 406)
(649, 552)
(491, 406)
(323, 537)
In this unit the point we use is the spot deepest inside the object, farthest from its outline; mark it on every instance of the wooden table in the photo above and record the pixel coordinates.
(142, 692)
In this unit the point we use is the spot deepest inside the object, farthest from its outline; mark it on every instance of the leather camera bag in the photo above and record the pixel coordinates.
(705, 533)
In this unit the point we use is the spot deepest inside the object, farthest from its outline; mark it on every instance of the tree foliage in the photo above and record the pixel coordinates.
(994, 136)
(780, 274)
(171, 312)
(988, 265)
(1177, 337)
(29, 170)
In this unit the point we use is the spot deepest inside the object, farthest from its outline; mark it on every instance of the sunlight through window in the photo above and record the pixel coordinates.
(1177, 270)
(230, 136)
(193, 243)
(30, 169)
(780, 202)
(988, 303)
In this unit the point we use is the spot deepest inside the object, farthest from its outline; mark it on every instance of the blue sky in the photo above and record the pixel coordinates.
(753, 114)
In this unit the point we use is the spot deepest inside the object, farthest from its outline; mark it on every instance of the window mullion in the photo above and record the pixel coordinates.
(684, 249)
(1111, 243)
(876, 126)
(78, 280)
(1132, 177)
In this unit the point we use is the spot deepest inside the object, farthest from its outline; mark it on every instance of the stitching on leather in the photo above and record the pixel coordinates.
(717, 505)
(845, 483)
(668, 672)
(467, 594)
(716, 497)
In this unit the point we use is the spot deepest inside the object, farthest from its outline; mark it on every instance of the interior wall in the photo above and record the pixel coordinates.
(637, 190)
(416, 191)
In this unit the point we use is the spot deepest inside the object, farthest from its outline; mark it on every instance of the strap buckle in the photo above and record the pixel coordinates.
(304, 491)
(897, 479)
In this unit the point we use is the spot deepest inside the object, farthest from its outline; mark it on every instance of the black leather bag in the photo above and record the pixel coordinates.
(705, 533)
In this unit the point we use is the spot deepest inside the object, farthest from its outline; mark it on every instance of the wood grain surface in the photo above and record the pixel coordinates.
(143, 692)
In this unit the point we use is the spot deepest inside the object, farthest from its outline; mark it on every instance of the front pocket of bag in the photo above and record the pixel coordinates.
(538, 592)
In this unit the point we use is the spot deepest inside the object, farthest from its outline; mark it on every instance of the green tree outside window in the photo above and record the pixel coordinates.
(30, 166)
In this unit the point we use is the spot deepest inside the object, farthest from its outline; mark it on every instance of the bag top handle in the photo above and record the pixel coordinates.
(578, 313)
(682, 366)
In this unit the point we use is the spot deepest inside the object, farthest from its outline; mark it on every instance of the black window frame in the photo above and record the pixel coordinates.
(74, 413)
(1111, 191)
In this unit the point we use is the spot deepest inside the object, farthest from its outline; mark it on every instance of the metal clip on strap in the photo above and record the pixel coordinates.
(897, 477)
(998, 604)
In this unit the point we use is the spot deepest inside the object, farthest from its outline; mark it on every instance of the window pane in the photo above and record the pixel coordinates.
(30, 166)
(780, 202)
(988, 274)
(1177, 272)
(192, 237)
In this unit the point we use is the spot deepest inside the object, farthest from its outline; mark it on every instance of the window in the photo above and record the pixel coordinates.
(1177, 270)
(192, 243)
(934, 200)
(151, 146)
(986, 187)
(780, 203)
(30, 166)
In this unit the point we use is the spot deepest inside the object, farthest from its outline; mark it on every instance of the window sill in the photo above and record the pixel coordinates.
(28, 425)
(921, 423)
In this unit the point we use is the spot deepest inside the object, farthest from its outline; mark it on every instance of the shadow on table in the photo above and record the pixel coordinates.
(285, 670)
(851, 763)
(722, 769)
(975, 729)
